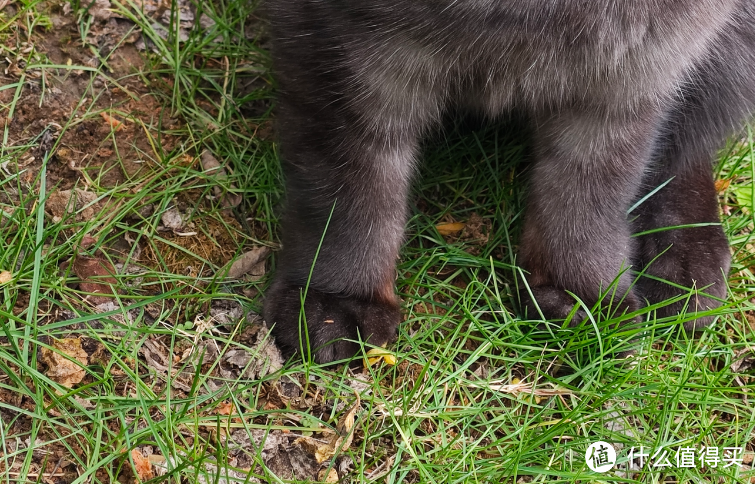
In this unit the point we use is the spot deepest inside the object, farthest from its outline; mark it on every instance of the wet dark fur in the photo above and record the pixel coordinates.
(621, 97)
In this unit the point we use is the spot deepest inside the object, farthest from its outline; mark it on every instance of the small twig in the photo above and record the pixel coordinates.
(381, 470)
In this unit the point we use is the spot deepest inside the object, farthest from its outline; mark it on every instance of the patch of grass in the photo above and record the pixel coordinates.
(168, 358)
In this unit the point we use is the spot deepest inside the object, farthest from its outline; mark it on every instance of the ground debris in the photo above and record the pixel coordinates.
(475, 232)
(176, 221)
(448, 229)
(250, 264)
(212, 167)
(96, 276)
(142, 465)
(81, 204)
(5, 277)
(113, 158)
(261, 359)
(521, 387)
(65, 361)
(339, 442)
(158, 358)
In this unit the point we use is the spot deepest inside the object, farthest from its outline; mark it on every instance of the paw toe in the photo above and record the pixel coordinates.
(329, 325)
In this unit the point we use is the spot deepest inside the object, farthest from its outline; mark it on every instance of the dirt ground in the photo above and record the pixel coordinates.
(106, 132)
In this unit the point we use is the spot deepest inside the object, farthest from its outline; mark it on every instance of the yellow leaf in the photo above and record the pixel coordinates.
(450, 228)
(377, 354)
(5, 277)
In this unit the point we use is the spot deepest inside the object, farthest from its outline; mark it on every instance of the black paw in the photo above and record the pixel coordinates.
(333, 323)
(689, 262)
(554, 304)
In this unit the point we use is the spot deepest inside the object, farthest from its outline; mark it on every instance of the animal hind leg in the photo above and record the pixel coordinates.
(695, 260)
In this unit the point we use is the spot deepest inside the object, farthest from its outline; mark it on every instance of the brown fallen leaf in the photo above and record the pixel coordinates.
(65, 361)
(100, 9)
(142, 466)
(159, 464)
(722, 185)
(447, 229)
(5, 277)
(743, 360)
(225, 408)
(96, 276)
(87, 241)
(338, 442)
(250, 263)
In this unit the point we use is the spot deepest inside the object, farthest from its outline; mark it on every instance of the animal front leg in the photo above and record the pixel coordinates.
(347, 181)
(576, 236)
(342, 231)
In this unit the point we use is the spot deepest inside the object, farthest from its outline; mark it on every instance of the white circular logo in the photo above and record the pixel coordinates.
(600, 456)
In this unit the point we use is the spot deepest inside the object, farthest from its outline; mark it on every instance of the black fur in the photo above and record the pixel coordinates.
(621, 97)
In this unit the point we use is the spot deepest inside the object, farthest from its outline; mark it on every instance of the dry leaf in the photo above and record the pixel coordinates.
(251, 263)
(743, 361)
(65, 361)
(159, 464)
(142, 466)
(159, 358)
(225, 408)
(262, 358)
(328, 475)
(450, 228)
(339, 442)
(174, 219)
(5, 277)
(96, 276)
(517, 387)
(87, 241)
(346, 423)
(210, 164)
(377, 354)
(322, 451)
(722, 185)
(100, 9)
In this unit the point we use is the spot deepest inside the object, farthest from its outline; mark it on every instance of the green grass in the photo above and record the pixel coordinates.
(477, 395)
